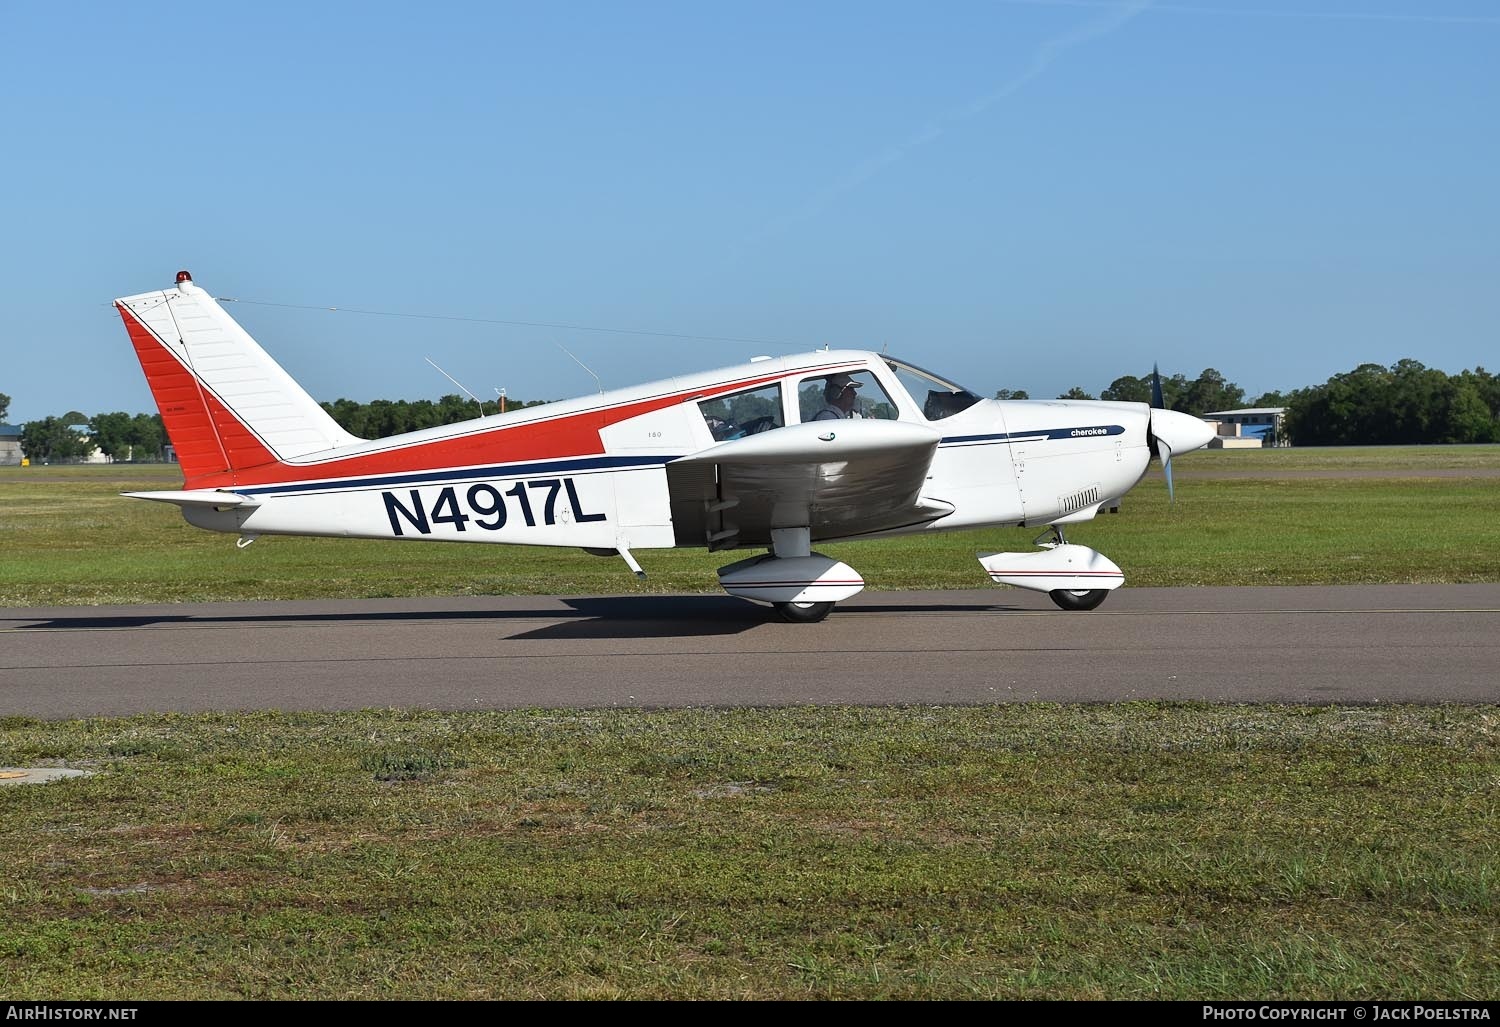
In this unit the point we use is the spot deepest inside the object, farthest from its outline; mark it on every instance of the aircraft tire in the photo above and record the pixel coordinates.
(803, 613)
(1078, 599)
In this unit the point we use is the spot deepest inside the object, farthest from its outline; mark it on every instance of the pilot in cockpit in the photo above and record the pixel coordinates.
(839, 398)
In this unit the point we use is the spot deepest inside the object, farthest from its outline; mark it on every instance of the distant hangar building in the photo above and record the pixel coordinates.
(10, 445)
(1247, 428)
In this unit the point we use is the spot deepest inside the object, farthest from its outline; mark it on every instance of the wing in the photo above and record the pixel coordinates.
(838, 478)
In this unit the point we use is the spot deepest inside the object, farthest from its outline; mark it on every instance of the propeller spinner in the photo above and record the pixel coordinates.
(1173, 432)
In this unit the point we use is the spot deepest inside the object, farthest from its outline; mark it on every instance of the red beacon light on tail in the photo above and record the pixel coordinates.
(184, 276)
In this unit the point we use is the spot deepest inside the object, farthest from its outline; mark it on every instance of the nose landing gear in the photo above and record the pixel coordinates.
(1074, 577)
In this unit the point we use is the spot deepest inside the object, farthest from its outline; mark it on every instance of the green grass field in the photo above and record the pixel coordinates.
(69, 538)
(1026, 851)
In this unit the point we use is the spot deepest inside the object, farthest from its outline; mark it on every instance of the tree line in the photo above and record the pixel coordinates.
(142, 438)
(1406, 403)
(382, 418)
(1401, 404)
(1208, 392)
(120, 436)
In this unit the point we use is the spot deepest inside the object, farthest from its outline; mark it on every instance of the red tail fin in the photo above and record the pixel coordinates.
(227, 406)
(208, 439)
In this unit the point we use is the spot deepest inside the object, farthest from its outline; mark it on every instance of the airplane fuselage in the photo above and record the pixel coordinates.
(997, 463)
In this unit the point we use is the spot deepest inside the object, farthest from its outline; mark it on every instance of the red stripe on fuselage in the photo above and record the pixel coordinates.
(570, 435)
(207, 435)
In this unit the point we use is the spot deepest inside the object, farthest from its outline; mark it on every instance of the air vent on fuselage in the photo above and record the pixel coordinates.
(1078, 500)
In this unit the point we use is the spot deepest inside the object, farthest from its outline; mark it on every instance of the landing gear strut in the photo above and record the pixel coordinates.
(788, 544)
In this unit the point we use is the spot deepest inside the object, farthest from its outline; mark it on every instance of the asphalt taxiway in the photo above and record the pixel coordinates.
(1355, 644)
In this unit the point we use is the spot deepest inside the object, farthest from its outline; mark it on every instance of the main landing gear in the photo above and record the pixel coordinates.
(801, 586)
(802, 613)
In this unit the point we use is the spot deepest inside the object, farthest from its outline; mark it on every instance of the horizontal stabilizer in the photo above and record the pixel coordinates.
(195, 497)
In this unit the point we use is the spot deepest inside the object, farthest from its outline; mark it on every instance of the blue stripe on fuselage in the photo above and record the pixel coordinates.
(575, 464)
(1092, 431)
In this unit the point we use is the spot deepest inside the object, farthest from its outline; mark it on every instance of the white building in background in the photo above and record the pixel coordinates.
(1247, 428)
(10, 444)
(85, 431)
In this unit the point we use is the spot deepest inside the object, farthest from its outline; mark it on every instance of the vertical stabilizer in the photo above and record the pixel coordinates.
(226, 404)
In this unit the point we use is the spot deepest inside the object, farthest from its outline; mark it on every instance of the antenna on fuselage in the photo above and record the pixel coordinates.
(460, 384)
(581, 364)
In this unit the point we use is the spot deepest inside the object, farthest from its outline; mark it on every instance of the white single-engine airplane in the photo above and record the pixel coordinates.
(778, 453)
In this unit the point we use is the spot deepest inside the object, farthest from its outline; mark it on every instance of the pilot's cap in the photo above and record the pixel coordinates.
(840, 382)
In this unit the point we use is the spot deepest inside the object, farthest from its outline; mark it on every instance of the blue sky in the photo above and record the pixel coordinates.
(1017, 194)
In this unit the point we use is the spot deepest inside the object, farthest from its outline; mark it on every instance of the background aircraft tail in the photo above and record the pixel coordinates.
(227, 406)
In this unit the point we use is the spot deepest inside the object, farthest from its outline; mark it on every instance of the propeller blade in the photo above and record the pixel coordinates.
(1172, 432)
(1185, 431)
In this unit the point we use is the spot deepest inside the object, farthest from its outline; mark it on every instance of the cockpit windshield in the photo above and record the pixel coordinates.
(938, 398)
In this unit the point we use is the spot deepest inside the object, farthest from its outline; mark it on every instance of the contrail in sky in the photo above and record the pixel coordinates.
(1046, 54)
(1253, 12)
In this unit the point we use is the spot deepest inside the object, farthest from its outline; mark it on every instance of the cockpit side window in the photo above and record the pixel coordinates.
(856, 394)
(937, 398)
(744, 413)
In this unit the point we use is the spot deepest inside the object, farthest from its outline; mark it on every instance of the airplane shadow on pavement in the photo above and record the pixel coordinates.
(583, 617)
